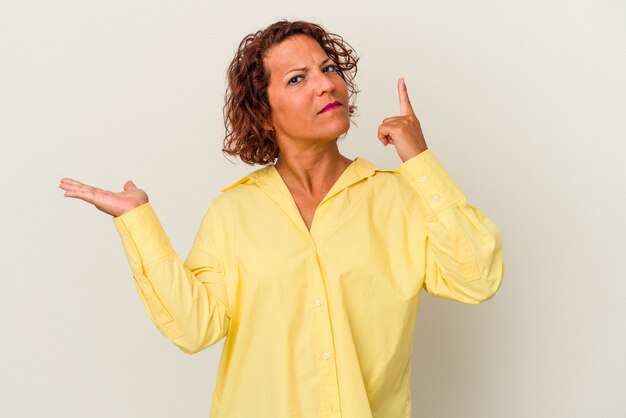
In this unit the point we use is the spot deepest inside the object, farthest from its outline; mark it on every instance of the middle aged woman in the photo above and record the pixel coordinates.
(312, 266)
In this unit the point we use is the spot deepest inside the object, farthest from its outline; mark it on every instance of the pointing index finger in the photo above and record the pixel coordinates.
(405, 103)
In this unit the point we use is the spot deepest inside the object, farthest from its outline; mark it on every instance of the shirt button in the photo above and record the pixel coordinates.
(318, 302)
(436, 198)
(133, 260)
(424, 179)
(325, 356)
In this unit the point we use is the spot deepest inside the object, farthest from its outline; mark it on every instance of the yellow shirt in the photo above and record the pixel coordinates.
(320, 323)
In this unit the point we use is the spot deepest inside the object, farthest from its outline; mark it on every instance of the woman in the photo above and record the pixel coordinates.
(312, 266)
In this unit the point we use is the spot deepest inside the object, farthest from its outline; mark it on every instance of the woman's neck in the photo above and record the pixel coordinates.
(312, 171)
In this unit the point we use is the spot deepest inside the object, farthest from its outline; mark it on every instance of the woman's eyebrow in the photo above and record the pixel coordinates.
(297, 69)
(306, 68)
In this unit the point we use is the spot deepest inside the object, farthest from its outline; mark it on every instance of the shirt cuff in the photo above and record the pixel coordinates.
(144, 239)
(432, 181)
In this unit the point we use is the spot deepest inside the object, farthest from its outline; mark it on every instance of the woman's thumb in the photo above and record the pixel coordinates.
(129, 185)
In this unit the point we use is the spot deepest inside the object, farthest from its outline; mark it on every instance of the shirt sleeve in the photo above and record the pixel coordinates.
(186, 301)
(463, 247)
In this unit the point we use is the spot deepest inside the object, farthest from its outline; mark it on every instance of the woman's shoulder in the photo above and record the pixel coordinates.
(383, 177)
(243, 189)
(249, 178)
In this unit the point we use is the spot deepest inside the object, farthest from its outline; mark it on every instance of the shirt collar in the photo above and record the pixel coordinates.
(269, 178)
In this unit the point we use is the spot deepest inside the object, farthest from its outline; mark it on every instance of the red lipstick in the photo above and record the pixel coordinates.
(329, 107)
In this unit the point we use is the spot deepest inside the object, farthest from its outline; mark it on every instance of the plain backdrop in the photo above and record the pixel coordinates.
(522, 101)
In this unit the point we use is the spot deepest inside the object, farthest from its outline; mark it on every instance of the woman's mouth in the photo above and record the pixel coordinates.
(329, 107)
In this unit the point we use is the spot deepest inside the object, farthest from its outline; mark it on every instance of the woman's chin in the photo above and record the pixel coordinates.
(341, 129)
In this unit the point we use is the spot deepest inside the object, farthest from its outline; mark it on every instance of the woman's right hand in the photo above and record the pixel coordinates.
(115, 204)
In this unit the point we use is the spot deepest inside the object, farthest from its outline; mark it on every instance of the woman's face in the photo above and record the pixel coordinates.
(308, 98)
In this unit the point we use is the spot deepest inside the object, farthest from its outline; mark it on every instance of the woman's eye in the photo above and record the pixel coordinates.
(330, 68)
(295, 79)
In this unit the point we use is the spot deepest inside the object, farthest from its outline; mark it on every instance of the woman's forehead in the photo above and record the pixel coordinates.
(295, 52)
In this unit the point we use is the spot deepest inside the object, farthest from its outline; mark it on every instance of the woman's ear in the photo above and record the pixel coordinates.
(267, 125)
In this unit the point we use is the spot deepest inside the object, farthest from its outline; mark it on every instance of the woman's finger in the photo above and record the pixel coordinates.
(129, 185)
(405, 103)
(386, 133)
(392, 119)
(84, 190)
(401, 120)
(70, 184)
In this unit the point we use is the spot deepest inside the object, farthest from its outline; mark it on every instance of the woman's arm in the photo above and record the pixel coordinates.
(463, 247)
(187, 302)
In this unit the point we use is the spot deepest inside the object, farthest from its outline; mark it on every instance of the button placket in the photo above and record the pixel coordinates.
(324, 348)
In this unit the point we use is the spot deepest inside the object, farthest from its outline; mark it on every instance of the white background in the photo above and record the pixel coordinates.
(522, 101)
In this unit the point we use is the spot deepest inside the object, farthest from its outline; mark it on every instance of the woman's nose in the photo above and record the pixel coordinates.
(324, 84)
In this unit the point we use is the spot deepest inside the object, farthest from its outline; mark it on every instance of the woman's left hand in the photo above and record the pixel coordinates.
(403, 132)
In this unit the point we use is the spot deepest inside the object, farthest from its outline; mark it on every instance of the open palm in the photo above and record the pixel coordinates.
(115, 204)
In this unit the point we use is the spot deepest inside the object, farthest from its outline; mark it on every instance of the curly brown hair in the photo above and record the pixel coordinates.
(247, 108)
